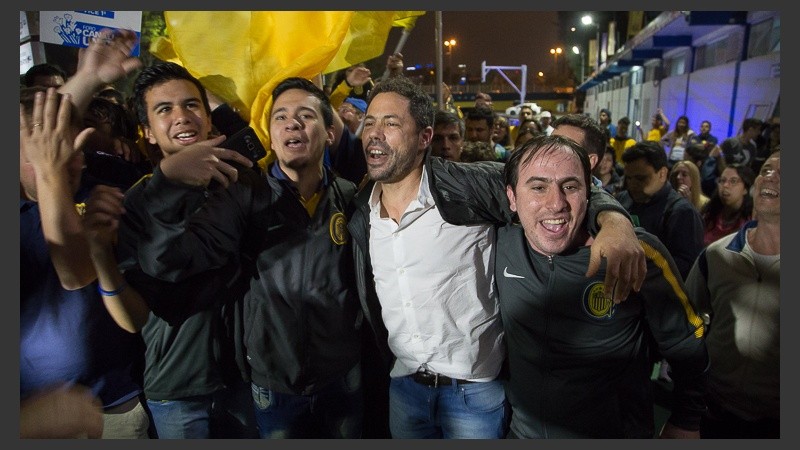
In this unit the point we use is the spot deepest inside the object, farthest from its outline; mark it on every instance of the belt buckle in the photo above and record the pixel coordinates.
(426, 374)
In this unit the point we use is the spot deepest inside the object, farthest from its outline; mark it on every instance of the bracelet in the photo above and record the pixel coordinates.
(116, 291)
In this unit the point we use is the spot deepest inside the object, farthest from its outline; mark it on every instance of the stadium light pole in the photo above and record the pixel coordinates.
(588, 20)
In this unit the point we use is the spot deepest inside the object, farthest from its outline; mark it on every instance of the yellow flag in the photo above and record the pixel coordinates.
(406, 19)
(366, 38)
(242, 55)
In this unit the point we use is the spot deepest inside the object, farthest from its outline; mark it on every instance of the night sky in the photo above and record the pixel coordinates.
(500, 38)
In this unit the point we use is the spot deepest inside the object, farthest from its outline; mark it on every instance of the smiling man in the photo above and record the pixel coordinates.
(578, 363)
(286, 234)
(735, 282)
(424, 240)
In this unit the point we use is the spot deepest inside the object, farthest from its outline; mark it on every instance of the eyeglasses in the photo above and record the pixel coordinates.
(730, 181)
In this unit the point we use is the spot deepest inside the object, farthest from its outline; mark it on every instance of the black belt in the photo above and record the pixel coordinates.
(435, 379)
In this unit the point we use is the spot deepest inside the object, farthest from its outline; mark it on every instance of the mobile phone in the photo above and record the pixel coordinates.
(247, 143)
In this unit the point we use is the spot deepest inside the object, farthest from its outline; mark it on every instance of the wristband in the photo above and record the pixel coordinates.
(116, 291)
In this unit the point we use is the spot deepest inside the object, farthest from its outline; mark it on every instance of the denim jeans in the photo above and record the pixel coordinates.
(335, 411)
(227, 413)
(454, 411)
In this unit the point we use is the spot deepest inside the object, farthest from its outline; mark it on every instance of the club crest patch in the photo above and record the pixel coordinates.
(596, 304)
(338, 229)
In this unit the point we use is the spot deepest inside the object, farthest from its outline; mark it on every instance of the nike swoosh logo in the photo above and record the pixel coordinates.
(510, 275)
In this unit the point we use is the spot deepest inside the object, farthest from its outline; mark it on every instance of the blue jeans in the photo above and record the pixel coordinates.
(227, 413)
(454, 411)
(335, 411)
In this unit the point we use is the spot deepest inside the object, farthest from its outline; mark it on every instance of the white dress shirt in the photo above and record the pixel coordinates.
(435, 282)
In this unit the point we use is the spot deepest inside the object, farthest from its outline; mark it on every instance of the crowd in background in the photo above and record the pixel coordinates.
(173, 287)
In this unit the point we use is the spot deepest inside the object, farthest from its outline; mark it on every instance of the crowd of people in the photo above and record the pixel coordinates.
(399, 269)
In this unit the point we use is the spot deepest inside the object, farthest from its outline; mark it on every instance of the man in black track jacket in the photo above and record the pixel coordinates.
(578, 364)
(287, 234)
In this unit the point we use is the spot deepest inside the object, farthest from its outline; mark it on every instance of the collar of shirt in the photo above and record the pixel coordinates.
(416, 208)
(310, 204)
(278, 173)
(435, 283)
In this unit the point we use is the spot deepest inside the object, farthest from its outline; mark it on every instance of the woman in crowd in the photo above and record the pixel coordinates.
(731, 205)
(685, 178)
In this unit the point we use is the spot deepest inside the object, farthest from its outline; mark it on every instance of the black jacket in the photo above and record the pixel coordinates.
(579, 363)
(465, 194)
(190, 348)
(673, 220)
(299, 320)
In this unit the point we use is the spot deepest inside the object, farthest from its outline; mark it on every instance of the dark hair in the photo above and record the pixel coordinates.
(498, 119)
(420, 103)
(651, 151)
(122, 123)
(306, 85)
(608, 113)
(111, 93)
(535, 123)
(447, 118)
(596, 135)
(481, 113)
(528, 107)
(610, 150)
(158, 73)
(751, 122)
(27, 95)
(624, 120)
(527, 151)
(43, 70)
(484, 96)
(697, 153)
(473, 151)
(714, 207)
(522, 129)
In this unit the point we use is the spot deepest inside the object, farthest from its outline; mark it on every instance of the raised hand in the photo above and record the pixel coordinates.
(106, 60)
(358, 76)
(394, 65)
(108, 55)
(685, 191)
(48, 142)
(101, 218)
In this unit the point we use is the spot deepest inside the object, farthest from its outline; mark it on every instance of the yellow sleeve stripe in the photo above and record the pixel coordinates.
(658, 259)
(144, 177)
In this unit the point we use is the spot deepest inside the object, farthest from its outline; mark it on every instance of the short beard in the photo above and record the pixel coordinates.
(395, 171)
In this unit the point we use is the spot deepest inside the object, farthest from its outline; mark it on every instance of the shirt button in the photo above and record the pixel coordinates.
(408, 304)
(401, 270)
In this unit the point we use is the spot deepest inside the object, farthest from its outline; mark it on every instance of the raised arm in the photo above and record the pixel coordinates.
(106, 60)
(101, 220)
(46, 143)
(664, 119)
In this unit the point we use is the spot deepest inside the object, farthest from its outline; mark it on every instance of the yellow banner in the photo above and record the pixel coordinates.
(242, 55)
